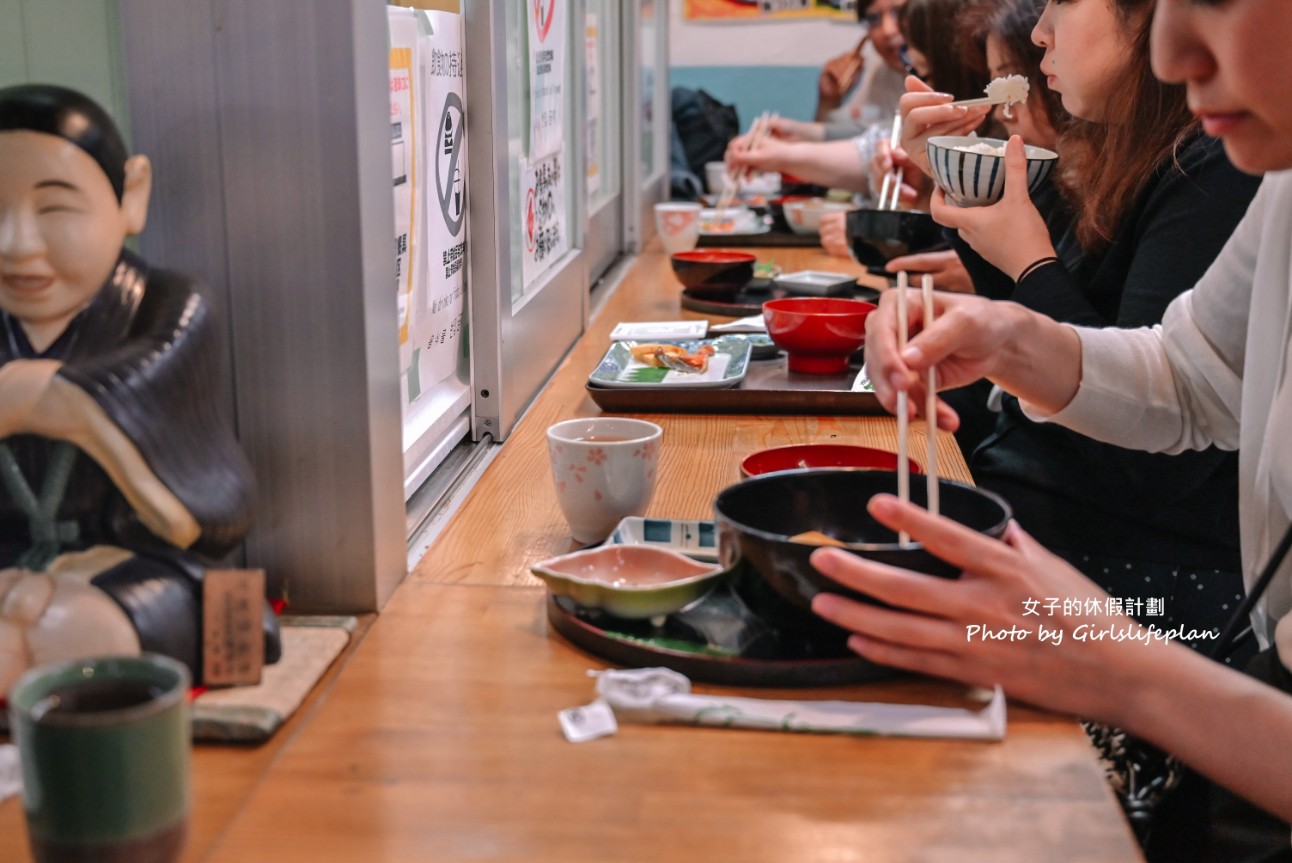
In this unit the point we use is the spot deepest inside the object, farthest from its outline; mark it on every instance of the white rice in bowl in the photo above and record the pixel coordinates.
(983, 149)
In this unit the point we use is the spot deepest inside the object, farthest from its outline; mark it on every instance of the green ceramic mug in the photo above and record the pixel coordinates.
(104, 746)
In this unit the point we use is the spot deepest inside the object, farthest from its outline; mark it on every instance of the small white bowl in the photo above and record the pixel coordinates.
(973, 179)
(629, 581)
(804, 217)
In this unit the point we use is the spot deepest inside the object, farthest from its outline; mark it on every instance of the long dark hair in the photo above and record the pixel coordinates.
(1105, 165)
(1012, 22)
(931, 27)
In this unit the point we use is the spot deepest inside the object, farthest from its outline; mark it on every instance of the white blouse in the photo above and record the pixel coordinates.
(1215, 371)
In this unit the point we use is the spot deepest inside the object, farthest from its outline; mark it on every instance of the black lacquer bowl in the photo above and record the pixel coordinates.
(875, 237)
(757, 517)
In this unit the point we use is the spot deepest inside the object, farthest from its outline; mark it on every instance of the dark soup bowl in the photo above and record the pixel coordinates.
(713, 273)
(759, 518)
(875, 237)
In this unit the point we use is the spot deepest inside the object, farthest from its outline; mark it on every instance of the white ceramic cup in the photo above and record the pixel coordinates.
(604, 469)
(678, 224)
(716, 177)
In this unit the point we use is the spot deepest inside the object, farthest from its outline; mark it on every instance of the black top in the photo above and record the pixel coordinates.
(1074, 493)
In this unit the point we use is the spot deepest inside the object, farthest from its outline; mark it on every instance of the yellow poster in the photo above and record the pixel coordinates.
(762, 10)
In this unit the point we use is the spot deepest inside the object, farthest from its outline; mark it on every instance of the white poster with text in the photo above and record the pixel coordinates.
(542, 215)
(547, 27)
(445, 195)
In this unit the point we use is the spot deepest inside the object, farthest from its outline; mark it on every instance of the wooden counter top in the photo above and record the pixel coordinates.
(438, 739)
(513, 516)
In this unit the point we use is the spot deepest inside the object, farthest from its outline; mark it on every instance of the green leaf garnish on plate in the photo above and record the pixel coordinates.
(645, 375)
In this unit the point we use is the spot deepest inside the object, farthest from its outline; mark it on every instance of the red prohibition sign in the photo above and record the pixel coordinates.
(544, 18)
(531, 222)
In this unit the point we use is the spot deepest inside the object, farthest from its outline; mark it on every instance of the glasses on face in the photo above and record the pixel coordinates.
(875, 17)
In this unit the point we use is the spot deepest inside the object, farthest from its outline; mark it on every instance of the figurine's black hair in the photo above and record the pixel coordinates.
(70, 115)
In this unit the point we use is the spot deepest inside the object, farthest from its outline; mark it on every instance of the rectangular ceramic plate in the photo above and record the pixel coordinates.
(696, 539)
(727, 367)
(817, 283)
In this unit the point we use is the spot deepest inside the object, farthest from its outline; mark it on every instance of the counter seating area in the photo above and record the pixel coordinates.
(435, 736)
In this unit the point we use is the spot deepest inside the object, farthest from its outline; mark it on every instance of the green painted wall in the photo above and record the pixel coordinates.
(76, 43)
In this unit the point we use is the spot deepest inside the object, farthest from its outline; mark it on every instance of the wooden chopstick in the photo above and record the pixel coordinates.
(756, 134)
(903, 423)
(930, 407)
(893, 174)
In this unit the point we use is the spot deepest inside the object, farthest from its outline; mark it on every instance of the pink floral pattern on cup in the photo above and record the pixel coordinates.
(604, 468)
(678, 225)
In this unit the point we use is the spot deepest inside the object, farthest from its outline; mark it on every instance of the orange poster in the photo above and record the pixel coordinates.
(753, 10)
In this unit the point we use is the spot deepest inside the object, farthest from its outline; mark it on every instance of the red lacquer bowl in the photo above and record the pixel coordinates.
(800, 456)
(818, 333)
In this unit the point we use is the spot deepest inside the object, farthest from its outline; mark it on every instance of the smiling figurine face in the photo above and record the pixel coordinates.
(61, 228)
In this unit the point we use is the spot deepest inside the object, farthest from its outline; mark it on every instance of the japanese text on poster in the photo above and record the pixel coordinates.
(547, 27)
(542, 215)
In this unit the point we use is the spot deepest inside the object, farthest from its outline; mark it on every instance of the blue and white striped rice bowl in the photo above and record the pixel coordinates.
(978, 179)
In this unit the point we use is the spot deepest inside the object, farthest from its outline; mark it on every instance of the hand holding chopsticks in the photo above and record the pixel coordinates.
(762, 124)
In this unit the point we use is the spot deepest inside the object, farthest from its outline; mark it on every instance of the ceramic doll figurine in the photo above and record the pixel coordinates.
(119, 478)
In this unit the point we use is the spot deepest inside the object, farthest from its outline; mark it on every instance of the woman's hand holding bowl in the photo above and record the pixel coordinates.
(948, 271)
(834, 234)
(929, 626)
(1009, 234)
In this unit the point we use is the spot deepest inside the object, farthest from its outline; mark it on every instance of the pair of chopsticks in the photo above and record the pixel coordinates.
(893, 178)
(757, 132)
(930, 408)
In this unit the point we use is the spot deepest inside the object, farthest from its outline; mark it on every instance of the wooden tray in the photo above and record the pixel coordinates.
(767, 238)
(750, 299)
(768, 388)
(762, 657)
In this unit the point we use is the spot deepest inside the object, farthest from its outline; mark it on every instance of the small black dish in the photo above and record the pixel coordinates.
(875, 237)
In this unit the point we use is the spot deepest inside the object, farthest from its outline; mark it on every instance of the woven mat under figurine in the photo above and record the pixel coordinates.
(251, 714)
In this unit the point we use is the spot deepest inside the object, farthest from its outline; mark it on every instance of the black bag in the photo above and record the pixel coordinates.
(704, 125)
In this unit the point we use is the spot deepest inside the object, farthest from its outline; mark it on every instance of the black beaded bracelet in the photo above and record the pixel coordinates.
(1035, 265)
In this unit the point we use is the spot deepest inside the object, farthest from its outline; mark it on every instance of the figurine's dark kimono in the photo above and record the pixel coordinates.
(145, 350)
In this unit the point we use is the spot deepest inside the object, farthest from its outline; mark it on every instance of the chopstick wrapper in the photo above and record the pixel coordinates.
(10, 773)
(662, 695)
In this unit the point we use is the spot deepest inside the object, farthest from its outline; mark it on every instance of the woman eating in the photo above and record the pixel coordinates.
(1112, 249)
(1212, 373)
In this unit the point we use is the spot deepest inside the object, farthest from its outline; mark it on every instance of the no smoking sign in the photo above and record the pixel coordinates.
(449, 186)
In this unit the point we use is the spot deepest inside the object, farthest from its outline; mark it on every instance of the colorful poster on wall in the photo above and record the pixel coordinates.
(403, 151)
(592, 51)
(762, 10)
(440, 326)
(542, 215)
(547, 25)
